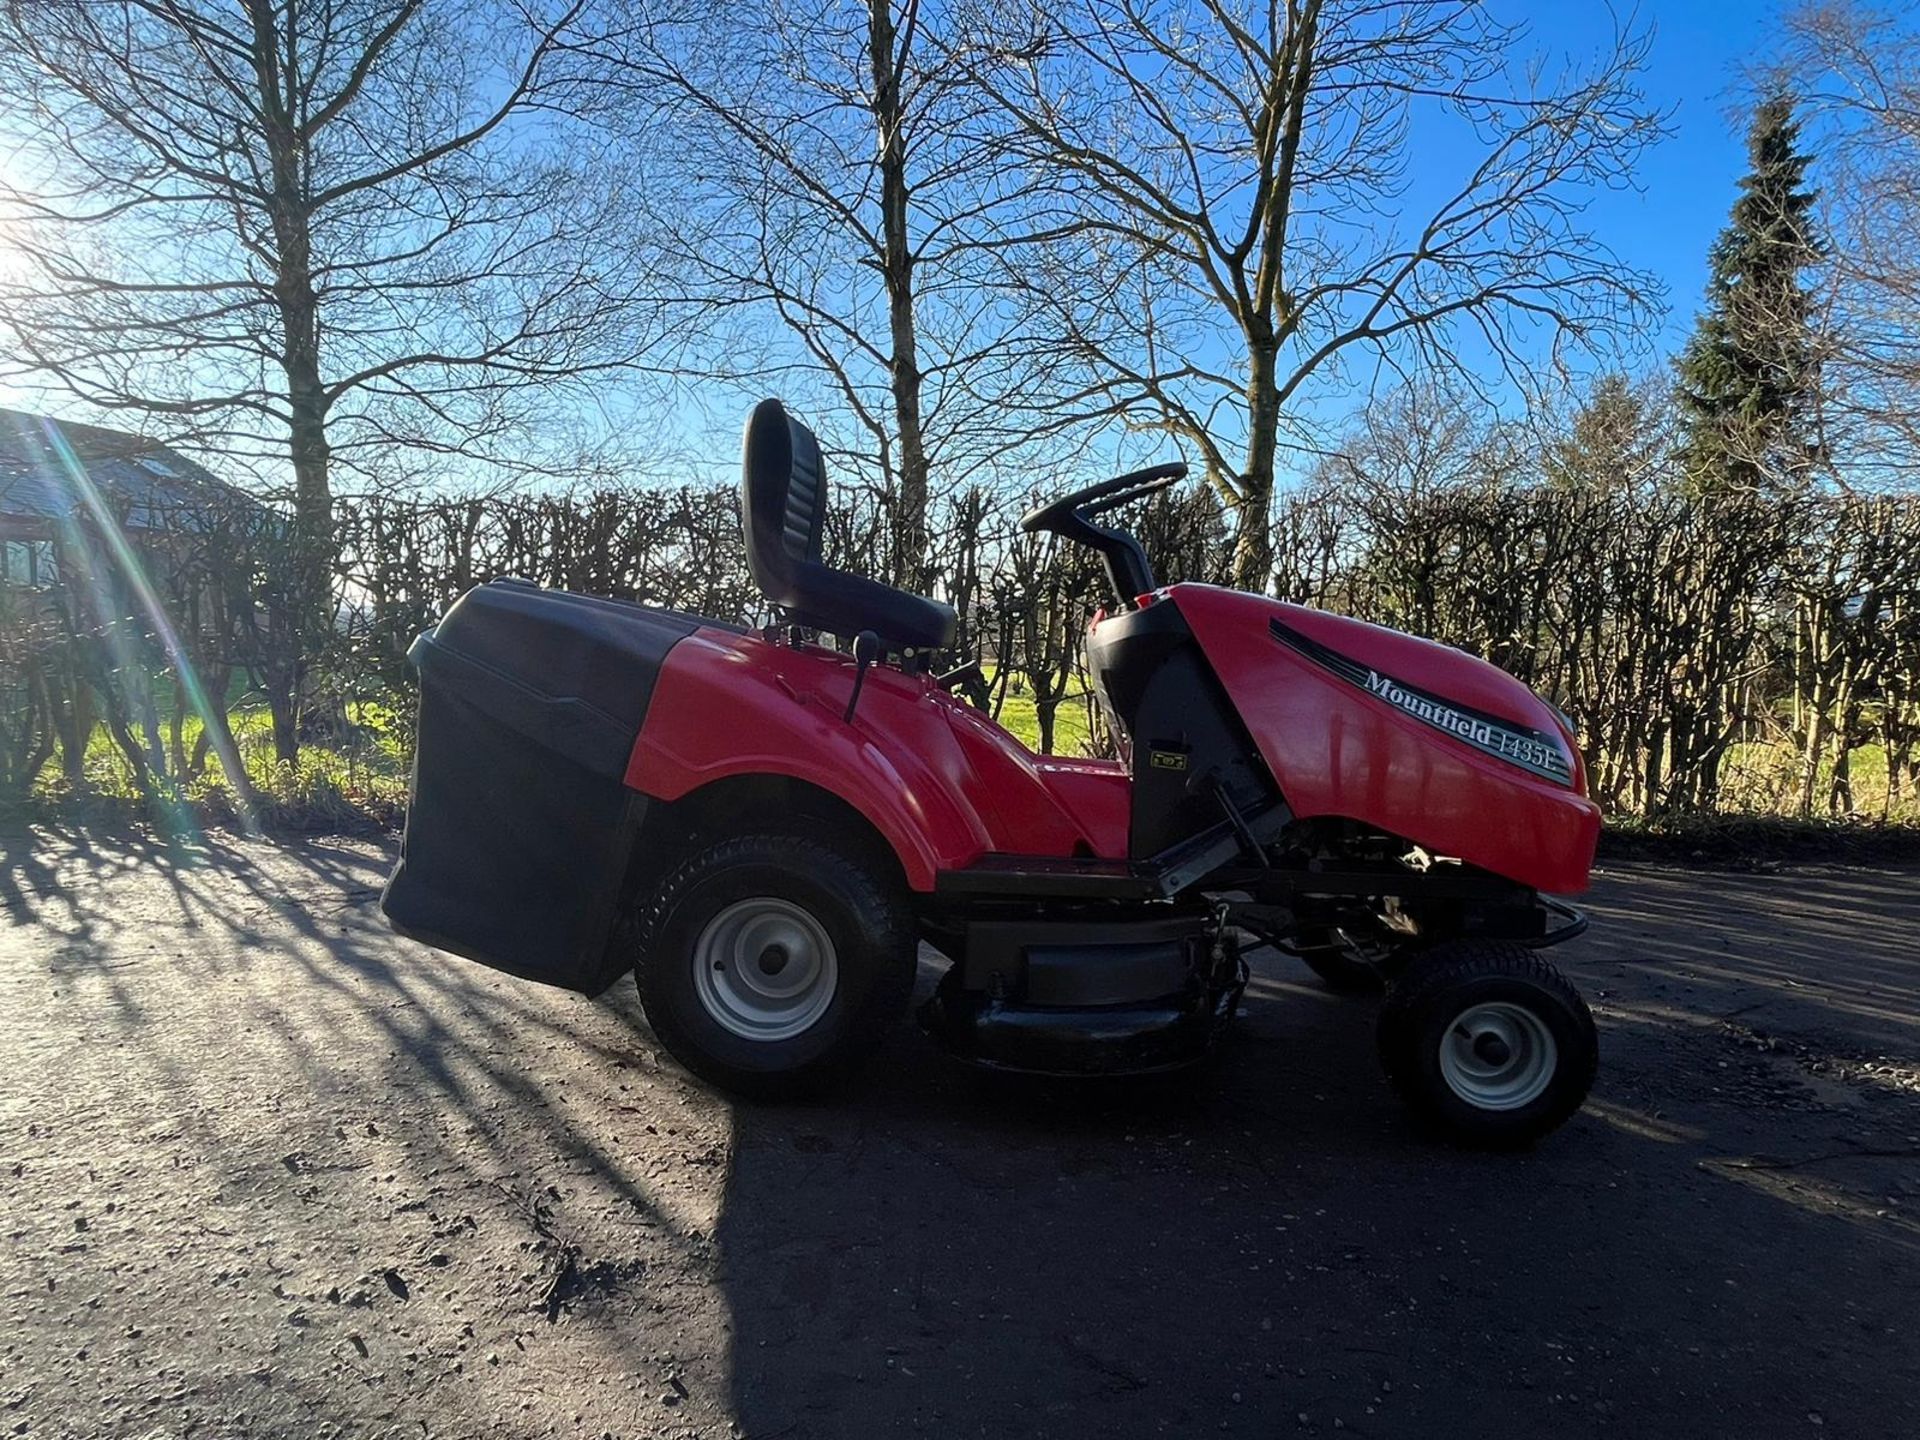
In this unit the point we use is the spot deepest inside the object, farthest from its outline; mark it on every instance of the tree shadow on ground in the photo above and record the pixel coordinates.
(494, 1206)
(1722, 1241)
(387, 1163)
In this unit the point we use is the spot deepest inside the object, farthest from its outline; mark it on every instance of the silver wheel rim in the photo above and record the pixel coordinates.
(1498, 1056)
(765, 969)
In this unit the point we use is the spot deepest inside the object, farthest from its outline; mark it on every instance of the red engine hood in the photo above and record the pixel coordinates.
(1424, 665)
(1400, 733)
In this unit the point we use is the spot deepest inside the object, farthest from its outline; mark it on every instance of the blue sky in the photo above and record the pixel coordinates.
(1696, 75)
(1665, 226)
(1687, 182)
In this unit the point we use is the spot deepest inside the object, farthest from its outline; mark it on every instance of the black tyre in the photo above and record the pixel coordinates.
(772, 965)
(1488, 1042)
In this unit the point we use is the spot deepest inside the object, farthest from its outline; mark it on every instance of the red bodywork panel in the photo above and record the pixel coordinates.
(946, 786)
(940, 781)
(1337, 750)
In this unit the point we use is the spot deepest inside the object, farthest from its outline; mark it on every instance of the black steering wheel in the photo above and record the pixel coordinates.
(1060, 515)
(1071, 518)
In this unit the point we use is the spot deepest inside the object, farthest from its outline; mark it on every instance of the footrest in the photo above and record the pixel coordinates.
(1050, 875)
(1160, 878)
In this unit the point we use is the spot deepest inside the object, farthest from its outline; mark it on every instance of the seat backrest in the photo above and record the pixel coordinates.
(783, 500)
(783, 505)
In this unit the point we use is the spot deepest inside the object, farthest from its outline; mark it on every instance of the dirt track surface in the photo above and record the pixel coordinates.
(267, 1170)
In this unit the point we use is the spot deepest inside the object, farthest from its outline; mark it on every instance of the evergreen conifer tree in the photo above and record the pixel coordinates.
(1748, 378)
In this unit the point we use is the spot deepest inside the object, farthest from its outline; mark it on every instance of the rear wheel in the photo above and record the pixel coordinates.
(1487, 1041)
(772, 965)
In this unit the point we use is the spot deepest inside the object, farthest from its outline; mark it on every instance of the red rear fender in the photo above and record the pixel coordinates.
(941, 784)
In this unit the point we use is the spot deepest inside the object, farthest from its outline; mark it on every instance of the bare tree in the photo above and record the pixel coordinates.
(1617, 435)
(1855, 71)
(1427, 439)
(839, 177)
(1236, 177)
(333, 236)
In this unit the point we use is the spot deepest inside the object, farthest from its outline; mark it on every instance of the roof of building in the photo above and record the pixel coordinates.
(142, 480)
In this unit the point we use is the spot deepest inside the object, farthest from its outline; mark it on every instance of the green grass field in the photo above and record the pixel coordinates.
(1072, 722)
(362, 773)
(1766, 779)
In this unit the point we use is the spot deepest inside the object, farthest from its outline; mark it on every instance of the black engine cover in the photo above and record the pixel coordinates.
(1186, 743)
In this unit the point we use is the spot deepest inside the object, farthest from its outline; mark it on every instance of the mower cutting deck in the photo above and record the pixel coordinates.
(762, 828)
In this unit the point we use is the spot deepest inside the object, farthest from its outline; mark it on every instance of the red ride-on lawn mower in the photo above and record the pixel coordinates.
(763, 829)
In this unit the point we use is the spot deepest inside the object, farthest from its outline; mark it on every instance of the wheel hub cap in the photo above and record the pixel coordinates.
(1491, 1048)
(765, 969)
(1498, 1056)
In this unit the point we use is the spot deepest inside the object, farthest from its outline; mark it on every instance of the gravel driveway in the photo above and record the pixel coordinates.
(268, 1170)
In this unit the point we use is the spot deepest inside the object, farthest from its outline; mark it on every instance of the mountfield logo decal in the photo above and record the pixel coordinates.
(1515, 744)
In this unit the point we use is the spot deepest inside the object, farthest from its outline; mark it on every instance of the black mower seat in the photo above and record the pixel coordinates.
(783, 502)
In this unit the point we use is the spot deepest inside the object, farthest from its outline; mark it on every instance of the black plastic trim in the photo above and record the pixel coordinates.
(1573, 923)
(1186, 743)
(1051, 962)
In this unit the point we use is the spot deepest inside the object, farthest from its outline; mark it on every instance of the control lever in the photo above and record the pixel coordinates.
(866, 650)
(968, 679)
(1248, 840)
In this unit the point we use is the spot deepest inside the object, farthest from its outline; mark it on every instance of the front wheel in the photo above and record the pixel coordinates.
(1488, 1042)
(771, 965)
